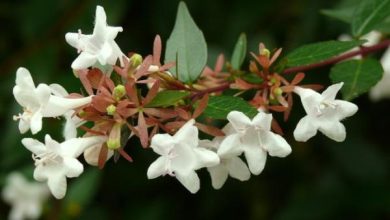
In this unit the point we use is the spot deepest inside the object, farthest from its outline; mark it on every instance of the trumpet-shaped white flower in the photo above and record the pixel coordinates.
(38, 102)
(99, 46)
(382, 89)
(181, 156)
(55, 161)
(230, 165)
(324, 113)
(254, 138)
(26, 198)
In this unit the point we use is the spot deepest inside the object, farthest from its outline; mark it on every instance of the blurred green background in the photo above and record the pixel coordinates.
(321, 179)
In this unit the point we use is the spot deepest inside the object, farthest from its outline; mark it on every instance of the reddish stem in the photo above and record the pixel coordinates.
(363, 51)
(211, 90)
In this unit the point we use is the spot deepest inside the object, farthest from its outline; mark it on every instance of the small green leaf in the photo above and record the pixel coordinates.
(358, 76)
(252, 78)
(186, 46)
(239, 52)
(167, 98)
(368, 14)
(343, 14)
(317, 52)
(220, 106)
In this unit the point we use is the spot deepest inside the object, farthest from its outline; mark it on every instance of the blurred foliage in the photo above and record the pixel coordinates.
(321, 179)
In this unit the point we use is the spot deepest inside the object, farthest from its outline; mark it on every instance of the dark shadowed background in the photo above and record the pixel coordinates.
(321, 179)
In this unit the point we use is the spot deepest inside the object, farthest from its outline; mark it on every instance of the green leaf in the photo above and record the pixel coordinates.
(343, 14)
(252, 78)
(358, 76)
(239, 52)
(220, 106)
(187, 47)
(368, 14)
(317, 52)
(167, 98)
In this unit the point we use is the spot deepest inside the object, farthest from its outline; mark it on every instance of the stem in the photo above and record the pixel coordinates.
(363, 51)
(211, 90)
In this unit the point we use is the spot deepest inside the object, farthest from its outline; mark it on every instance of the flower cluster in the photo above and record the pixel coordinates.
(134, 96)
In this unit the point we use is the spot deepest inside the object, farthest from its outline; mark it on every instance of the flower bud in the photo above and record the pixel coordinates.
(265, 52)
(119, 92)
(114, 139)
(111, 109)
(278, 91)
(135, 60)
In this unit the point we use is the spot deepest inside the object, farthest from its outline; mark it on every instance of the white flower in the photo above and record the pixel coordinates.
(55, 161)
(230, 165)
(38, 102)
(324, 113)
(99, 46)
(26, 198)
(254, 138)
(382, 89)
(372, 38)
(181, 156)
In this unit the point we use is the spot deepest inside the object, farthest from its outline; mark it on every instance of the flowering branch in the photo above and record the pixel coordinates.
(362, 51)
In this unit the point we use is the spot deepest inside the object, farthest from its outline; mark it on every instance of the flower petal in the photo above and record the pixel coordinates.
(333, 130)
(238, 169)
(190, 180)
(256, 158)
(76, 146)
(36, 122)
(239, 121)
(187, 134)
(23, 126)
(310, 99)
(263, 120)
(205, 158)
(230, 146)
(57, 185)
(219, 175)
(73, 167)
(83, 61)
(345, 109)
(33, 145)
(58, 106)
(24, 79)
(73, 39)
(275, 144)
(306, 129)
(157, 168)
(331, 92)
(58, 90)
(162, 143)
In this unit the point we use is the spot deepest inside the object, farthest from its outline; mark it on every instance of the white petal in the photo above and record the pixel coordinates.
(43, 94)
(91, 155)
(205, 158)
(162, 143)
(331, 92)
(83, 61)
(70, 129)
(238, 169)
(99, 30)
(157, 168)
(306, 129)
(190, 180)
(263, 120)
(385, 61)
(24, 126)
(275, 144)
(34, 145)
(238, 120)
(58, 106)
(24, 79)
(230, 146)
(187, 134)
(219, 175)
(333, 130)
(105, 54)
(345, 109)
(73, 167)
(36, 122)
(76, 146)
(26, 97)
(53, 145)
(58, 90)
(57, 185)
(73, 39)
(256, 158)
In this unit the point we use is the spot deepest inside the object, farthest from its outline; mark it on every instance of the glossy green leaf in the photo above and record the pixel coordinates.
(317, 52)
(167, 98)
(239, 52)
(343, 14)
(368, 14)
(358, 76)
(187, 47)
(219, 107)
